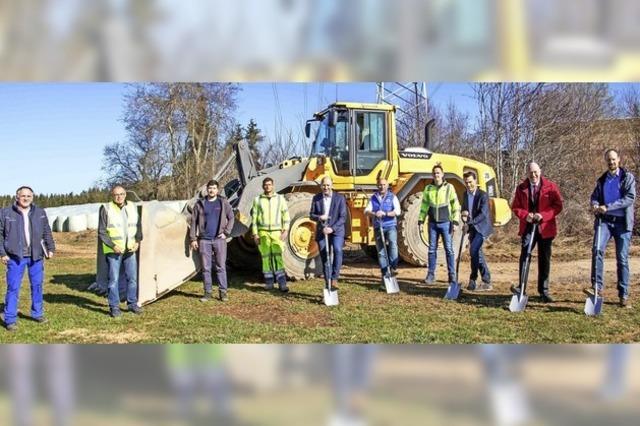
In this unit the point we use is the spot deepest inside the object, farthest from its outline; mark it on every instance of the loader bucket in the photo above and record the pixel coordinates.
(164, 259)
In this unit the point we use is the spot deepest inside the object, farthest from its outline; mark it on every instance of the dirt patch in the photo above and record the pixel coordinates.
(285, 311)
(85, 335)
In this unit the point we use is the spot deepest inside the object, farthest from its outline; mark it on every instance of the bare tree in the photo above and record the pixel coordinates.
(175, 133)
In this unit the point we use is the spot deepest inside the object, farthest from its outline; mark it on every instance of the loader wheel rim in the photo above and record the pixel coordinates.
(301, 238)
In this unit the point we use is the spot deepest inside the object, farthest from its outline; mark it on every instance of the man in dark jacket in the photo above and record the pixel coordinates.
(477, 222)
(329, 209)
(211, 225)
(25, 239)
(538, 201)
(612, 201)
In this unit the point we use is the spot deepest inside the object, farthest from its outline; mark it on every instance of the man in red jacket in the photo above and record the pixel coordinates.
(537, 200)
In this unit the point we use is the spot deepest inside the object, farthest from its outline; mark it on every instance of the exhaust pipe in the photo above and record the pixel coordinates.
(428, 129)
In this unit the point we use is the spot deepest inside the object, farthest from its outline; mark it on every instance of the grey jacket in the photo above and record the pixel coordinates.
(626, 202)
(198, 223)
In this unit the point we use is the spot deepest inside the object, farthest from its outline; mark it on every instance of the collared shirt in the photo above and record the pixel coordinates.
(326, 203)
(470, 197)
(27, 230)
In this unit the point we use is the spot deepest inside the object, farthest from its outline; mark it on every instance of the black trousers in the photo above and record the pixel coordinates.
(544, 259)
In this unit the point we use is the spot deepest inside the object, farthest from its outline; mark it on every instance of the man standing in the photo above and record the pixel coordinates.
(329, 210)
(25, 239)
(211, 225)
(477, 223)
(120, 233)
(612, 201)
(537, 201)
(384, 208)
(270, 227)
(440, 203)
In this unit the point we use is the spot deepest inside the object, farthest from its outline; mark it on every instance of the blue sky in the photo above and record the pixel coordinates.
(52, 135)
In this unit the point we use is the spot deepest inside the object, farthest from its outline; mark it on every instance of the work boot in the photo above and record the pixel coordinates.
(206, 297)
(472, 285)
(624, 303)
(485, 287)
(115, 313)
(545, 298)
(394, 272)
(135, 309)
(223, 296)
(589, 291)
(429, 279)
(334, 284)
(41, 320)
(282, 283)
(12, 327)
(516, 290)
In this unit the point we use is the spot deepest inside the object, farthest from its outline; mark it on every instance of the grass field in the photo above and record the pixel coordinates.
(253, 315)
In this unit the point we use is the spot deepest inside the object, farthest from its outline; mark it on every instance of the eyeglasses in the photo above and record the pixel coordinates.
(120, 194)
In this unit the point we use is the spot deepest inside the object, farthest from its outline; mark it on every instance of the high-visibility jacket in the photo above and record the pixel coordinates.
(440, 204)
(114, 227)
(269, 214)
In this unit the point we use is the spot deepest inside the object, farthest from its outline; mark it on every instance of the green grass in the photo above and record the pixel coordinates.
(253, 315)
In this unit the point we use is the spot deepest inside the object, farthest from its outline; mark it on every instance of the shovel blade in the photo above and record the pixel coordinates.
(453, 291)
(391, 285)
(518, 304)
(593, 306)
(330, 297)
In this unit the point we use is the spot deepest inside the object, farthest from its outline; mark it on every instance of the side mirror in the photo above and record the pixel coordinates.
(333, 118)
(307, 129)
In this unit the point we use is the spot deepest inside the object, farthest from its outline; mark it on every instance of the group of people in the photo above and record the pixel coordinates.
(26, 238)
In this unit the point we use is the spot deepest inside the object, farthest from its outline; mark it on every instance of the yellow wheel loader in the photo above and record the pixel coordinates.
(354, 144)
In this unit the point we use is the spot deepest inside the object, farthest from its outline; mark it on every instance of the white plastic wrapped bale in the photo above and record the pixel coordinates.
(92, 220)
(77, 223)
(60, 225)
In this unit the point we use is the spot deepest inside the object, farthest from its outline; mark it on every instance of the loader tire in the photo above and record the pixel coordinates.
(413, 245)
(301, 254)
(243, 255)
(370, 251)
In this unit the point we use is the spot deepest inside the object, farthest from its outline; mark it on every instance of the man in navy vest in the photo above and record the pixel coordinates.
(475, 214)
(383, 209)
(329, 209)
(612, 200)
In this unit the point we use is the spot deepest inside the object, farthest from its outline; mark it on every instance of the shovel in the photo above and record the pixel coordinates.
(390, 282)
(519, 301)
(453, 291)
(593, 304)
(330, 296)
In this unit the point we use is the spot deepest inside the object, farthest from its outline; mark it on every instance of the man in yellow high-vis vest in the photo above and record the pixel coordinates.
(120, 233)
(270, 227)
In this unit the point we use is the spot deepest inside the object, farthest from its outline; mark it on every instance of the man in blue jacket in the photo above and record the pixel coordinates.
(329, 209)
(383, 209)
(475, 208)
(25, 239)
(612, 201)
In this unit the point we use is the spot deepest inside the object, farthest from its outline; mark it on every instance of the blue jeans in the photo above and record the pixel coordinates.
(478, 262)
(387, 256)
(15, 271)
(128, 260)
(337, 245)
(622, 239)
(436, 230)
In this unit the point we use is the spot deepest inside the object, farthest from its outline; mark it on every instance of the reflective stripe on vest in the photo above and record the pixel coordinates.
(114, 226)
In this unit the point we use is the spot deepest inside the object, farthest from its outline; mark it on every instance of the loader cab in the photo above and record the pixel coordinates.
(354, 142)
